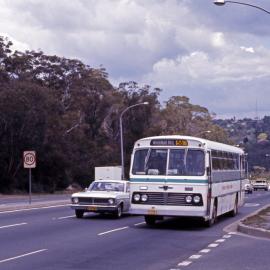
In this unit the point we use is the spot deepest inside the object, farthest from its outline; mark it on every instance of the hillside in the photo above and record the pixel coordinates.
(251, 134)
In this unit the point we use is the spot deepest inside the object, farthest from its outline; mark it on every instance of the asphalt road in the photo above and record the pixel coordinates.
(53, 238)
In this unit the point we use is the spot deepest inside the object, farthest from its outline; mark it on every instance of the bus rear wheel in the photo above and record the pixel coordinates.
(150, 220)
(234, 212)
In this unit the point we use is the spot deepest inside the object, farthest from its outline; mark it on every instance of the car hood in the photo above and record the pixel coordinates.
(98, 194)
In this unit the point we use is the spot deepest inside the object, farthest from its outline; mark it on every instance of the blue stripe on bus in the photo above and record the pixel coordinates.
(146, 180)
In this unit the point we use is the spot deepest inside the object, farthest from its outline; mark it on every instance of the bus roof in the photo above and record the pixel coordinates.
(205, 143)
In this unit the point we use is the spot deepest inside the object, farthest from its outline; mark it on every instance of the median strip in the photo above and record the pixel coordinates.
(13, 225)
(23, 255)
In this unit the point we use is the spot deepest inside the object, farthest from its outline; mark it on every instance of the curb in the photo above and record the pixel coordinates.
(254, 231)
(34, 206)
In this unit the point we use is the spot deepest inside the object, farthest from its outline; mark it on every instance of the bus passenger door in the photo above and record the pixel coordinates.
(208, 164)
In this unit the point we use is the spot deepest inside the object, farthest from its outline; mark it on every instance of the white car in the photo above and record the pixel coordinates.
(260, 184)
(248, 187)
(102, 196)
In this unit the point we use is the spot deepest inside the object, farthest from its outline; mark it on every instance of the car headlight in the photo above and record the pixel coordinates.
(75, 200)
(188, 199)
(196, 199)
(111, 201)
(144, 198)
(137, 197)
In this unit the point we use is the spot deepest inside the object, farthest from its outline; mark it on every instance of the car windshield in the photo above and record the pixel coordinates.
(106, 186)
(186, 162)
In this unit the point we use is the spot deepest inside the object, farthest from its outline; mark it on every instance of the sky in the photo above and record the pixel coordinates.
(219, 57)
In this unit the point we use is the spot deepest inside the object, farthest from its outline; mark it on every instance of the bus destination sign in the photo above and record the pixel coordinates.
(162, 142)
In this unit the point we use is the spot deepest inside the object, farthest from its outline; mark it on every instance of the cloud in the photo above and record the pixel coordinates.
(250, 49)
(211, 54)
(229, 82)
(218, 39)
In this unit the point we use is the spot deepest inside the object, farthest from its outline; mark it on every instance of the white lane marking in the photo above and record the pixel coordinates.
(231, 233)
(35, 208)
(251, 204)
(184, 263)
(213, 245)
(115, 230)
(13, 225)
(220, 240)
(138, 224)
(205, 250)
(23, 255)
(195, 257)
(65, 217)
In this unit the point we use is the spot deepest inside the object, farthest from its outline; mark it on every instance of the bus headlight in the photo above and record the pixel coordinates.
(188, 199)
(144, 198)
(137, 197)
(111, 201)
(75, 200)
(196, 199)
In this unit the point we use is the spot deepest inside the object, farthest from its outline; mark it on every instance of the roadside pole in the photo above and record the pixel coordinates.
(29, 162)
(30, 186)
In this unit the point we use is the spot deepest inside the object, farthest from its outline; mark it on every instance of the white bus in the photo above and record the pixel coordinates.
(186, 176)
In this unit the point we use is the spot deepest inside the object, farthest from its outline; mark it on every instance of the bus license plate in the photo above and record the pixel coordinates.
(152, 212)
(91, 208)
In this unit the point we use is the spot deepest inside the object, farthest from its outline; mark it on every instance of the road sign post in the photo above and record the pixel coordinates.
(29, 162)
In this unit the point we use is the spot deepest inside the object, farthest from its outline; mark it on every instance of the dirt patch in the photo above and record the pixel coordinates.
(260, 220)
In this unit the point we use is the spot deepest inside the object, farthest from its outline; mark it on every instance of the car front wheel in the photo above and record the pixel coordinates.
(119, 211)
(79, 213)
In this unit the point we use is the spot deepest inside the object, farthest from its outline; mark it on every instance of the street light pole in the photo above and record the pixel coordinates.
(121, 136)
(223, 2)
(202, 132)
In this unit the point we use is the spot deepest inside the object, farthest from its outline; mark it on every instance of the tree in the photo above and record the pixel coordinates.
(69, 114)
(183, 118)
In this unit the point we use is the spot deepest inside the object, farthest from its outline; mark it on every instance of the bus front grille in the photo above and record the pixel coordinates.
(164, 198)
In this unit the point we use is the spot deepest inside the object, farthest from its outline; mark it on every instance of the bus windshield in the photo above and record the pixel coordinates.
(182, 162)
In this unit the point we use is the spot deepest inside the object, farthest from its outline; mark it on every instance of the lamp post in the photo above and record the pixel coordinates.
(266, 157)
(223, 2)
(202, 132)
(121, 136)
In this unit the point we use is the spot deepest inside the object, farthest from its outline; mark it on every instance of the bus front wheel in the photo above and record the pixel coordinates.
(212, 220)
(150, 220)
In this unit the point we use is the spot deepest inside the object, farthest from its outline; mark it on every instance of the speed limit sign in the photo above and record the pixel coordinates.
(29, 159)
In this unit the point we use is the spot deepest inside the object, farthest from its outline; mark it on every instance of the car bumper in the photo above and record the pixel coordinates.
(94, 208)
